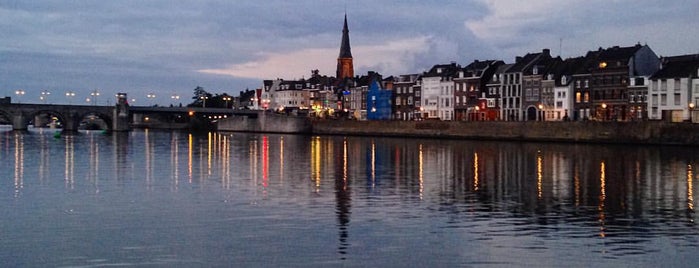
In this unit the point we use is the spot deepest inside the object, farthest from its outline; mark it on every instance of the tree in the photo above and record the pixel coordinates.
(200, 97)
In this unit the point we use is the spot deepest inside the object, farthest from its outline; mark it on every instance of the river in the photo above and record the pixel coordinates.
(156, 198)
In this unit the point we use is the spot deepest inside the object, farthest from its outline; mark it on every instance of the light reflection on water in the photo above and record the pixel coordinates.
(172, 198)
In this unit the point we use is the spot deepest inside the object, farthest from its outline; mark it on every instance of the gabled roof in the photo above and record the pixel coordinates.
(443, 70)
(678, 66)
(618, 53)
(477, 68)
(524, 64)
(501, 70)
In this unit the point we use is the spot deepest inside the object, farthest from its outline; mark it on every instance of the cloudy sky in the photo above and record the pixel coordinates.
(169, 47)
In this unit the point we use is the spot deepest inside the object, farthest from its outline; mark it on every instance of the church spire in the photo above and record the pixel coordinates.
(345, 50)
(345, 67)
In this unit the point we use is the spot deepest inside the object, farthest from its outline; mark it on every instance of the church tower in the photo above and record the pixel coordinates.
(345, 67)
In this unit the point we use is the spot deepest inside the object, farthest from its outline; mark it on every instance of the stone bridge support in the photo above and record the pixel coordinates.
(19, 121)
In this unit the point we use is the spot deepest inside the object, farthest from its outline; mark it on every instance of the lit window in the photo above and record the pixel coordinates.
(603, 65)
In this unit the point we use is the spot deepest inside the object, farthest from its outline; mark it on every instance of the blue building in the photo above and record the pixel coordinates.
(378, 104)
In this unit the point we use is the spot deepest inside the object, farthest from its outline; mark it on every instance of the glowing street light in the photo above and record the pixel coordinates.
(94, 95)
(227, 99)
(691, 110)
(19, 94)
(175, 97)
(70, 95)
(203, 98)
(44, 95)
(150, 97)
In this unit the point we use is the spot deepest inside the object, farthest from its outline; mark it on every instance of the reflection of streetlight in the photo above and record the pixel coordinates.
(94, 95)
(44, 95)
(19, 94)
(70, 95)
(150, 97)
(691, 110)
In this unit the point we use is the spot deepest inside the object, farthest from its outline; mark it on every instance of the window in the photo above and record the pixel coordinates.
(587, 83)
(577, 84)
(677, 85)
(564, 80)
(577, 97)
(654, 100)
(663, 85)
(587, 97)
(663, 99)
(677, 99)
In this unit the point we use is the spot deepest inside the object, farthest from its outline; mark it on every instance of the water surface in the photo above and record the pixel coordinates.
(150, 198)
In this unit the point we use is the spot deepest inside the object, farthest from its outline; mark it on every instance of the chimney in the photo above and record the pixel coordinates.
(547, 52)
(518, 59)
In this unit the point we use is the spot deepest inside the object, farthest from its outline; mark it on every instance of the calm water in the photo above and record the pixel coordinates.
(220, 199)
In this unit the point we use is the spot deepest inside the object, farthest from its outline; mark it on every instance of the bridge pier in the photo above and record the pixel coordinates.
(120, 115)
(19, 122)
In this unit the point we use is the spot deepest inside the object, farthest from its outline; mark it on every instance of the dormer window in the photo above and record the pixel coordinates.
(439, 70)
(564, 79)
(535, 70)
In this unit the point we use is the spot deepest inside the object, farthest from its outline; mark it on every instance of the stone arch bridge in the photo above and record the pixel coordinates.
(116, 118)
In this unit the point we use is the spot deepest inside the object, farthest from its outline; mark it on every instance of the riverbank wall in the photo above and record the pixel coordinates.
(266, 122)
(652, 132)
(647, 132)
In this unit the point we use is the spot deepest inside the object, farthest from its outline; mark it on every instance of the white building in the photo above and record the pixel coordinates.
(438, 91)
(280, 95)
(674, 90)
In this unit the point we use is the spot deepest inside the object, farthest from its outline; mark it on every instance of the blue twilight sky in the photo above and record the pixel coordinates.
(169, 47)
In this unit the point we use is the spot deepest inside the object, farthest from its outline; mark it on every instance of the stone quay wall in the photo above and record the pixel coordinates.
(649, 132)
(266, 122)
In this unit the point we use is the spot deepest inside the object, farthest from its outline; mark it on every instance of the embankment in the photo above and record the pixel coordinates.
(587, 132)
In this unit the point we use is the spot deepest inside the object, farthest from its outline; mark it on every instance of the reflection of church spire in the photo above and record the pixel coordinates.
(343, 201)
(345, 67)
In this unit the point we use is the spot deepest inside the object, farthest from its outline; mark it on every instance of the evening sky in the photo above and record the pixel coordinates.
(169, 47)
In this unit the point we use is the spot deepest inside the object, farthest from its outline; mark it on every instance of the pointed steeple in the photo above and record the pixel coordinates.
(345, 50)
(345, 67)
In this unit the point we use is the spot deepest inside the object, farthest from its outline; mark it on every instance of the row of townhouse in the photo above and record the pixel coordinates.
(613, 84)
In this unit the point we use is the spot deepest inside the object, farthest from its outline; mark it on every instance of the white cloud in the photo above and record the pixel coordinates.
(393, 57)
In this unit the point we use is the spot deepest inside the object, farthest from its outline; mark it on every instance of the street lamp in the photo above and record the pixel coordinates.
(94, 95)
(691, 110)
(150, 97)
(541, 112)
(19, 94)
(44, 95)
(604, 111)
(175, 97)
(227, 99)
(70, 95)
(203, 98)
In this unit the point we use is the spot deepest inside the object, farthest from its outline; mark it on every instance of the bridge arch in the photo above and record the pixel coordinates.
(32, 116)
(5, 116)
(107, 118)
